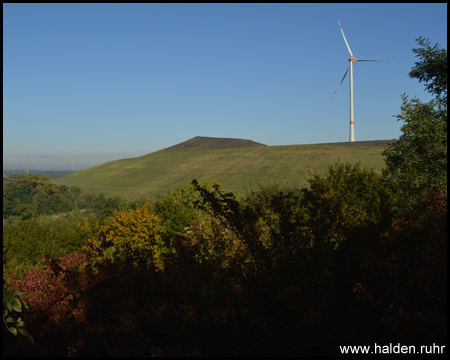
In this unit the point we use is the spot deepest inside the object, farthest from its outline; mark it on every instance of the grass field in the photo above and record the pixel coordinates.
(234, 168)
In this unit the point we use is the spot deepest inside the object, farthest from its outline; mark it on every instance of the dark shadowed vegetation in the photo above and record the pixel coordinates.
(279, 271)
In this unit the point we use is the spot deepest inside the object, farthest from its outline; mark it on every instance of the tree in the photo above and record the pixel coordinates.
(365, 196)
(15, 193)
(24, 211)
(432, 69)
(104, 208)
(176, 208)
(417, 162)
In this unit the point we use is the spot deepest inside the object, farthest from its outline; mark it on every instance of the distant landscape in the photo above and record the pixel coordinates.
(48, 173)
(234, 163)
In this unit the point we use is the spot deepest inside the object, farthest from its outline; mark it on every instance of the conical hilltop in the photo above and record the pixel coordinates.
(212, 143)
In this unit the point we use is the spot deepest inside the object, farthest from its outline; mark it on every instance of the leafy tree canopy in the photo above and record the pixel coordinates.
(177, 209)
(418, 161)
(432, 67)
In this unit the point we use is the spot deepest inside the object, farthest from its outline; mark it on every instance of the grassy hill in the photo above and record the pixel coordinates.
(234, 168)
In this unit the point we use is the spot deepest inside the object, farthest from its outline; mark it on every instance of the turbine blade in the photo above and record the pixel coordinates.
(341, 82)
(348, 47)
(392, 62)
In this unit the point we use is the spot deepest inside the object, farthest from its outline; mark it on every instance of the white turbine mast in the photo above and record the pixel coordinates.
(352, 59)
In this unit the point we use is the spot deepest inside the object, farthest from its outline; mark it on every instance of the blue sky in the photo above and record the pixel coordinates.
(91, 83)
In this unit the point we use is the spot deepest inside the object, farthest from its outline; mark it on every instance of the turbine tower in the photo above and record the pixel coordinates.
(352, 59)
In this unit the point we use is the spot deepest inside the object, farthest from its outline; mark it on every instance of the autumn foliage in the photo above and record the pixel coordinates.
(280, 272)
(130, 234)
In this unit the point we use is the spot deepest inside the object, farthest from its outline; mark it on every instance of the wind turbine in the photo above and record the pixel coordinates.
(352, 59)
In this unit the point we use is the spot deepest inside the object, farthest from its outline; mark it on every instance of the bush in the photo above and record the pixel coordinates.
(177, 209)
(56, 237)
(406, 281)
(130, 234)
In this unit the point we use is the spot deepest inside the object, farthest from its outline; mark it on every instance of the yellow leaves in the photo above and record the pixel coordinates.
(83, 224)
(131, 233)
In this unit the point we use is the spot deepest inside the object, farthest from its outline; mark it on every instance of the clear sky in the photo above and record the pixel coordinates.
(91, 83)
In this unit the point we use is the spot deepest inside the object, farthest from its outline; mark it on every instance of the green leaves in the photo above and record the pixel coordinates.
(432, 68)
(177, 208)
(13, 302)
(418, 161)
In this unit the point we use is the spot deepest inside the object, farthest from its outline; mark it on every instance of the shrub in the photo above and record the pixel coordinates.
(130, 234)
(406, 281)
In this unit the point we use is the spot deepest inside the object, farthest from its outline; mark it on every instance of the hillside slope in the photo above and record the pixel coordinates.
(235, 169)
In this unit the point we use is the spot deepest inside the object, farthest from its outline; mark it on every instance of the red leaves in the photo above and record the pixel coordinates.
(50, 292)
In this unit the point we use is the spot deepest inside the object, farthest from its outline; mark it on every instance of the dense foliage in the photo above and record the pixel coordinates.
(177, 208)
(279, 271)
(133, 235)
(32, 195)
(406, 281)
(418, 161)
(432, 67)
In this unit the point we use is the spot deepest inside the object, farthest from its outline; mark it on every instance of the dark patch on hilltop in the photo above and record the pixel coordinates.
(211, 143)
